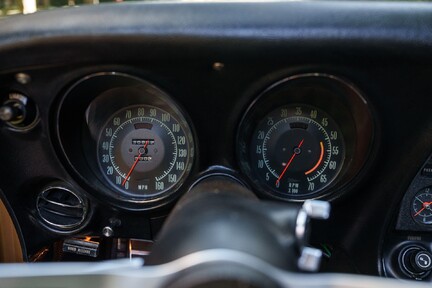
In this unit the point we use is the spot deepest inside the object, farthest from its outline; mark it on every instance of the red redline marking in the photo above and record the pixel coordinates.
(289, 163)
(134, 165)
(319, 160)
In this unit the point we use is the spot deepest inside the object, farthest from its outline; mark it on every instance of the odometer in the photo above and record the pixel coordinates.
(296, 151)
(145, 152)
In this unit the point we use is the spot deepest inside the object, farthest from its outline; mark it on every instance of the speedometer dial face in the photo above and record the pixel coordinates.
(296, 151)
(145, 151)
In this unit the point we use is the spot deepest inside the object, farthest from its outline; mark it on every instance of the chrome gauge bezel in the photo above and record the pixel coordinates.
(84, 110)
(335, 96)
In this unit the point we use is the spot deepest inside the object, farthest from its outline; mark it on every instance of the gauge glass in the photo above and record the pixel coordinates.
(421, 208)
(296, 151)
(145, 151)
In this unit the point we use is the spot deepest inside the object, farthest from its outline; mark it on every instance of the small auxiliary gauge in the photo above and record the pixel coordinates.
(421, 207)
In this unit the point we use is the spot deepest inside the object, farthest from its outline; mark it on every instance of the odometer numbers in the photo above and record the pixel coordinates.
(145, 151)
(296, 151)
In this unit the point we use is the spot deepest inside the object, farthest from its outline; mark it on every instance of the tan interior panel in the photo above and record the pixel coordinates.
(10, 247)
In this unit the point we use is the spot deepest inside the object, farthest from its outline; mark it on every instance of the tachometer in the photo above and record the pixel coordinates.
(296, 150)
(305, 136)
(144, 151)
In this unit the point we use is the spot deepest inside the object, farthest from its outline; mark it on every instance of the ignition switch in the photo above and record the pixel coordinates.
(415, 262)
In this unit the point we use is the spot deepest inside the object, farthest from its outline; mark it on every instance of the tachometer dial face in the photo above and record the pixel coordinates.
(421, 208)
(296, 151)
(145, 151)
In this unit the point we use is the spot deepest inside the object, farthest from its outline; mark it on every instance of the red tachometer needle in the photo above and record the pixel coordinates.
(134, 164)
(289, 163)
(425, 205)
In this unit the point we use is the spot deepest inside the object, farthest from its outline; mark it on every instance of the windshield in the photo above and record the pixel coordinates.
(11, 7)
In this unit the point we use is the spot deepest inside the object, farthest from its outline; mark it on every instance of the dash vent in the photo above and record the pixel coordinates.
(60, 208)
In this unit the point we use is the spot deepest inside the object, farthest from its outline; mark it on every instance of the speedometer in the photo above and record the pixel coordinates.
(296, 150)
(138, 147)
(145, 151)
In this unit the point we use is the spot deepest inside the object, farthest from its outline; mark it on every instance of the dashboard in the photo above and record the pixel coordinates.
(105, 125)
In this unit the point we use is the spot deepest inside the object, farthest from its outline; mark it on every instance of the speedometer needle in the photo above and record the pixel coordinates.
(289, 162)
(134, 164)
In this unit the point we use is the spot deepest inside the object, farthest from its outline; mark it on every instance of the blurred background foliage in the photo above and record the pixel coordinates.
(10, 7)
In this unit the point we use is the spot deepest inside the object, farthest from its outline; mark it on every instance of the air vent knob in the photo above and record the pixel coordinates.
(19, 112)
(12, 111)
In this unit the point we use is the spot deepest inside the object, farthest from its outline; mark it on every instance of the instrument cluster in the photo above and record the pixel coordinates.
(306, 136)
